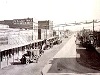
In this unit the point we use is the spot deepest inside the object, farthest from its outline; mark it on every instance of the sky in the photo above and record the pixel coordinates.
(59, 11)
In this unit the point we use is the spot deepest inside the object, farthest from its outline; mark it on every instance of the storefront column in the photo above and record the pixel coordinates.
(0, 58)
(13, 55)
(7, 57)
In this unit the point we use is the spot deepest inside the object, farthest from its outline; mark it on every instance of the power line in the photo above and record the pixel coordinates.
(91, 26)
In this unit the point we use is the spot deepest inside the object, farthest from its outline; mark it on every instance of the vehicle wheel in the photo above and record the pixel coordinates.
(27, 61)
(22, 62)
(36, 60)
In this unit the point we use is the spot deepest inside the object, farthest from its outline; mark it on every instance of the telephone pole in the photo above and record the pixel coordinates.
(93, 32)
(93, 27)
(58, 31)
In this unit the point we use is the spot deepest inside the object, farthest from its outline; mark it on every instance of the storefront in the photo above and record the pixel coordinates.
(12, 53)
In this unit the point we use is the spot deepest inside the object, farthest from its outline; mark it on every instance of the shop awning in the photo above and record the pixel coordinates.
(7, 47)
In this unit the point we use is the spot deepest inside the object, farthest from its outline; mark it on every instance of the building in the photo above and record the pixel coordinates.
(18, 37)
(12, 44)
(26, 23)
(7, 22)
(14, 37)
(35, 29)
(45, 29)
(3, 34)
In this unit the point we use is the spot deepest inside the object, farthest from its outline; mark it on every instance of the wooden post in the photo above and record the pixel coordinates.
(7, 57)
(32, 35)
(13, 54)
(0, 58)
(18, 50)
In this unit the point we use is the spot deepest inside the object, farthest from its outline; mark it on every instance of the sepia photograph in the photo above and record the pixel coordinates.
(49, 37)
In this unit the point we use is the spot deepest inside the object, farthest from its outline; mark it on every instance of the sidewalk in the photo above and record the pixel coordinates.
(10, 60)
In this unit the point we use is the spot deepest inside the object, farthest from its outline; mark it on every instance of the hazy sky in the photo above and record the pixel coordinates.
(59, 11)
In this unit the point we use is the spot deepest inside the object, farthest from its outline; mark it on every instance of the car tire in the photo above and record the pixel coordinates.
(27, 61)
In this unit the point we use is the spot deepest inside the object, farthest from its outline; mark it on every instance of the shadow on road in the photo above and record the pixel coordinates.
(69, 65)
(89, 58)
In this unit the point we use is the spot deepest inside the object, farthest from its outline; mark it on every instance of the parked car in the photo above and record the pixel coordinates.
(66, 36)
(59, 41)
(30, 56)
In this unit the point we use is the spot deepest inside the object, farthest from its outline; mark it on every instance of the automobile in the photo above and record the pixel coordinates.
(66, 36)
(59, 41)
(30, 56)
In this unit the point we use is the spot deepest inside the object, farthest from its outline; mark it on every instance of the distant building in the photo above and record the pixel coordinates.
(26, 23)
(47, 24)
(45, 29)
(54, 33)
(23, 23)
(3, 26)
(7, 22)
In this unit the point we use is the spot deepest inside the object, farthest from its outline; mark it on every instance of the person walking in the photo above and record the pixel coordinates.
(44, 46)
(48, 44)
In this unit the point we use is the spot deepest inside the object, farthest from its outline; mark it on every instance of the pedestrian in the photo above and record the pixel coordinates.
(44, 46)
(51, 43)
(41, 73)
(48, 44)
(40, 50)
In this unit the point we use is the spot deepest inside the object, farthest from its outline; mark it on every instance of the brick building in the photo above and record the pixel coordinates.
(26, 23)
(23, 23)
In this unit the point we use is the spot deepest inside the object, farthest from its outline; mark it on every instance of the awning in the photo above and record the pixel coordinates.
(7, 47)
(51, 37)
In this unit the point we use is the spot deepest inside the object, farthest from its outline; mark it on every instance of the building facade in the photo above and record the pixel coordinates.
(14, 37)
(3, 34)
(7, 22)
(26, 23)
(45, 29)
(19, 37)
(35, 29)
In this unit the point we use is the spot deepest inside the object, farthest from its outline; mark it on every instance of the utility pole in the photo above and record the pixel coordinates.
(45, 27)
(32, 34)
(93, 26)
(58, 31)
(63, 28)
(0, 58)
(63, 31)
(46, 32)
(93, 32)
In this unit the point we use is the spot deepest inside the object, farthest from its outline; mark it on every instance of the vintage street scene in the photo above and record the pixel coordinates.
(50, 37)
